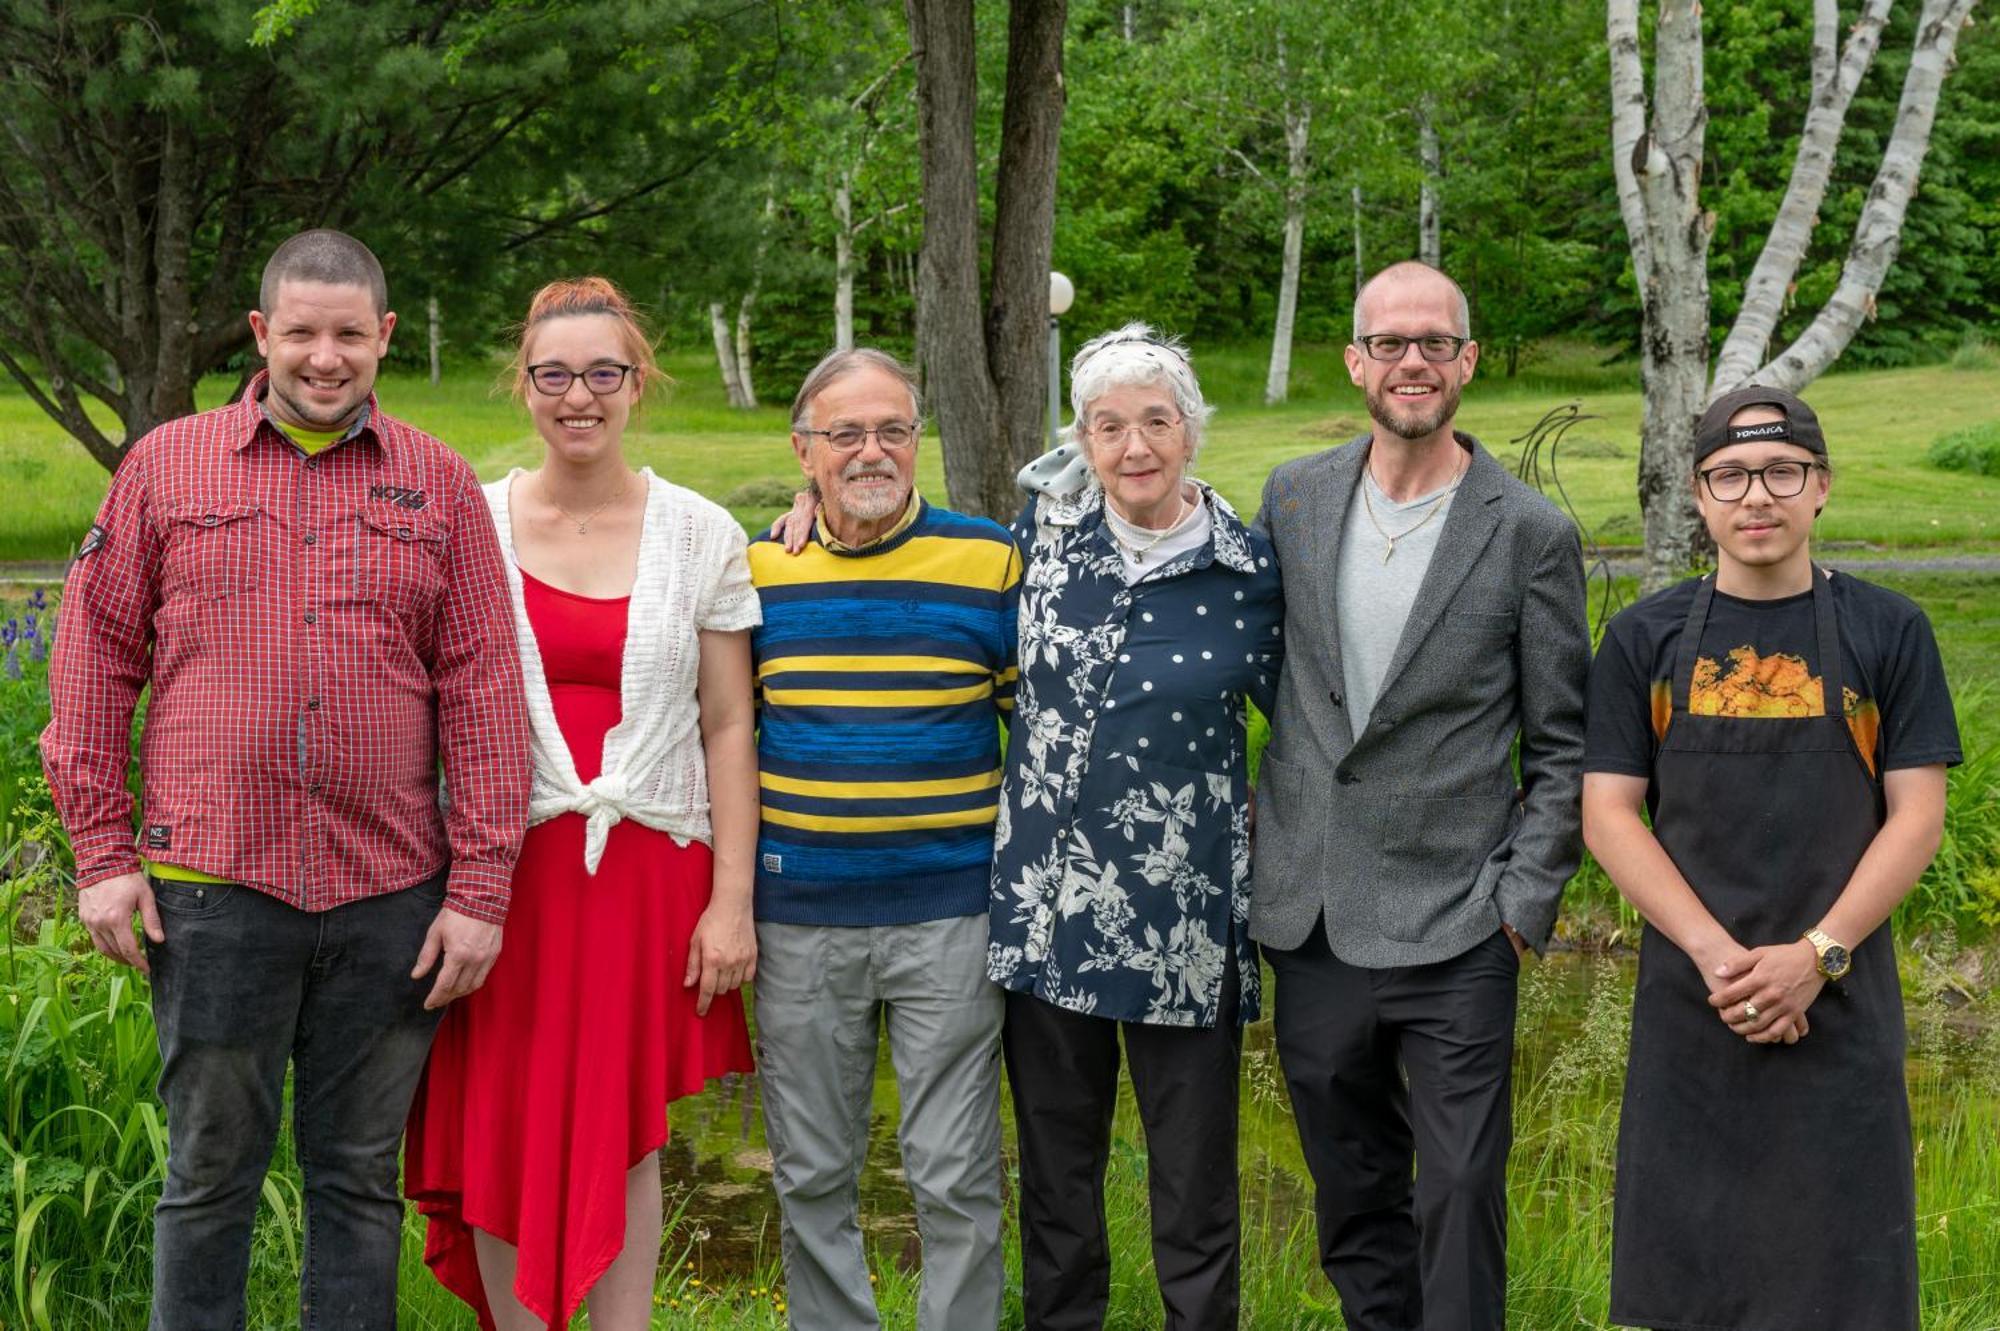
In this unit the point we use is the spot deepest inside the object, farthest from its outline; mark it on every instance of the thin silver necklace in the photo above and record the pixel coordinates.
(1368, 505)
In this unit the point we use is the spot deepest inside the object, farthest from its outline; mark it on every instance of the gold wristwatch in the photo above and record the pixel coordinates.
(1834, 959)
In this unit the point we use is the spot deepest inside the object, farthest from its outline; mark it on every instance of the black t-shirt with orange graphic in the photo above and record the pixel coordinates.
(1756, 661)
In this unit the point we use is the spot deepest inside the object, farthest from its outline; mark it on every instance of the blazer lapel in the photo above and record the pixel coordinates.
(1331, 495)
(1468, 526)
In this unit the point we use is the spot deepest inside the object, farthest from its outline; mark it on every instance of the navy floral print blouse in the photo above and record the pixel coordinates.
(1121, 869)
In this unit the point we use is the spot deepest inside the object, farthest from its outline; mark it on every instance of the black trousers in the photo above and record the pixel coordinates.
(1063, 1069)
(1391, 1066)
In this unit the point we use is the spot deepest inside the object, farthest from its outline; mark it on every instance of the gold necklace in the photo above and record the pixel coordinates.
(1368, 505)
(583, 523)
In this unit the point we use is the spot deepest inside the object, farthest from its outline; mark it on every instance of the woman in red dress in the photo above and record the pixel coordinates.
(534, 1140)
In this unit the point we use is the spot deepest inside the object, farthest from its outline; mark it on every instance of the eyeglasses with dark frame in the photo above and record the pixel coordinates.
(1434, 347)
(553, 380)
(1782, 480)
(852, 438)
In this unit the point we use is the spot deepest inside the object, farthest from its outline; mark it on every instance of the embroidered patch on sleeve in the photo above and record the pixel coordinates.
(93, 542)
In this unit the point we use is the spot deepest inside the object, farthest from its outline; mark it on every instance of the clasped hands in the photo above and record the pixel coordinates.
(1762, 993)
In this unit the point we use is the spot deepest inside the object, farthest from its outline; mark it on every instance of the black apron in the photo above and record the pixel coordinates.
(1765, 1187)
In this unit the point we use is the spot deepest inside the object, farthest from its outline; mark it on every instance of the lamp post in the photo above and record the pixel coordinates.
(1062, 293)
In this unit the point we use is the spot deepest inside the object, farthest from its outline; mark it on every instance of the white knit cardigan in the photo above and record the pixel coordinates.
(692, 575)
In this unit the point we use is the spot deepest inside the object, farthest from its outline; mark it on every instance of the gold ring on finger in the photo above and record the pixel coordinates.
(1750, 1011)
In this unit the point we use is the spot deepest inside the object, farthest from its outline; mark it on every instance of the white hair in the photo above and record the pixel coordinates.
(1136, 355)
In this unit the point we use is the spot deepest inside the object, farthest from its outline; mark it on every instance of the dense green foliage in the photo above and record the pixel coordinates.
(1976, 450)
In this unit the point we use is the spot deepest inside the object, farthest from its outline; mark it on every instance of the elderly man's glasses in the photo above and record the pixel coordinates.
(1782, 480)
(554, 380)
(1111, 433)
(1436, 347)
(851, 438)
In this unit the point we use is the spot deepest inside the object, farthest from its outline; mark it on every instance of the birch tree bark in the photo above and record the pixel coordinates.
(725, 355)
(435, 340)
(1298, 164)
(1836, 74)
(1657, 168)
(1657, 163)
(743, 375)
(985, 359)
(1360, 267)
(1878, 231)
(843, 263)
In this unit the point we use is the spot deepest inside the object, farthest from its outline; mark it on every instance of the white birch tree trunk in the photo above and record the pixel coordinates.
(743, 376)
(1298, 126)
(1427, 202)
(843, 263)
(1658, 168)
(725, 355)
(1878, 232)
(1836, 75)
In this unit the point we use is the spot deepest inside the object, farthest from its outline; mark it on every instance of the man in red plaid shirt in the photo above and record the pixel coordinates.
(313, 591)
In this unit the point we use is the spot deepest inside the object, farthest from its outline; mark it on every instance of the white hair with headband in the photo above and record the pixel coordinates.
(1136, 355)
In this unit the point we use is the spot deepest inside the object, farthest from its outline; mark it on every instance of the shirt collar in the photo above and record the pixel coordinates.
(840, 547)
(251, 415)
(1228, 536)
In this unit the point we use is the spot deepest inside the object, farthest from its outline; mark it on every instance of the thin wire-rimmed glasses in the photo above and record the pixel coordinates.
(1434, 347)
(554, 379)
(1782, 480)
(1111, 433)
(851, 438)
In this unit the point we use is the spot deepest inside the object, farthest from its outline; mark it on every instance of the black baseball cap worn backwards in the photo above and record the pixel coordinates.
(1799, 426)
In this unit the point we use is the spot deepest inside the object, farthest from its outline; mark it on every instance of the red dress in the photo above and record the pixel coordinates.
(548, 1084)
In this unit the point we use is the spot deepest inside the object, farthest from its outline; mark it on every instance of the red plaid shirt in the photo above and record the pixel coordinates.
(318, 633)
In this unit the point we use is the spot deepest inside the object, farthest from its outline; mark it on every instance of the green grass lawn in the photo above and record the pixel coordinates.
(1878, 423)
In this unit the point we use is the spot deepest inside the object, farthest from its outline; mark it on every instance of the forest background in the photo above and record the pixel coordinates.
(750, 171)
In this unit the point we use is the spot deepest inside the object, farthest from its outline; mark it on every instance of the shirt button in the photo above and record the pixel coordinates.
(311, 618)
(312, 464)
(1349, 778)
(313, 789)
(1090, 713)
(209, 520)
(312, 538)
(1334, 697)
(312, 704)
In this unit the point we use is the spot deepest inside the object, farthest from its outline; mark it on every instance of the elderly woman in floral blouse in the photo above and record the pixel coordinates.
(1121, 879)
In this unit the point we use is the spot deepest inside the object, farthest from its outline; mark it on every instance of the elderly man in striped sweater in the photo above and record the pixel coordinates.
(885, 658)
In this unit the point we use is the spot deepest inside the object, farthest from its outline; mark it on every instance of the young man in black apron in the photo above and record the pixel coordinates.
(1788, 729)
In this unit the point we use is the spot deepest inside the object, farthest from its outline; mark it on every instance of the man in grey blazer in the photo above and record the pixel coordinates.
(1435, 614)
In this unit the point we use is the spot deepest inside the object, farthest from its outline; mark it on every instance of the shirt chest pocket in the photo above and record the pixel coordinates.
(398, 562)
(213, 550)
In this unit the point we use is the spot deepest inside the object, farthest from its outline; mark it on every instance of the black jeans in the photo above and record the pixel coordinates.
(1063, 1068)
(242, 985)
(1386, 1065)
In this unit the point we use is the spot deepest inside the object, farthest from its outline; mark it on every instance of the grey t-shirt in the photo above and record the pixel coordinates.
(1372, 595)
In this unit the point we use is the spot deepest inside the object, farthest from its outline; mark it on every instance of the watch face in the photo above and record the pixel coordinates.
(1835, 961)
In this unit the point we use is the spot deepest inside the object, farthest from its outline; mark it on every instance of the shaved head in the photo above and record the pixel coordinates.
(332, 257)
(1414, 274)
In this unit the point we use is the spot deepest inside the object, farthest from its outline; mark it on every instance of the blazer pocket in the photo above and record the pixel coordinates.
(1433, 852)
(1291, 823)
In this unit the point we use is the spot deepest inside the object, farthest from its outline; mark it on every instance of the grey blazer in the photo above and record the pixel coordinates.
(1413, 838)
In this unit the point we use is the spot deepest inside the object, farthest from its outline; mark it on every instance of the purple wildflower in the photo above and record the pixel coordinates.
(9, 631)
(38, 651)
(38, 599)
(12, 667)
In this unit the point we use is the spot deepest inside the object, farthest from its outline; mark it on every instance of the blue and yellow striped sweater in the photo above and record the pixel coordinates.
(880, 674)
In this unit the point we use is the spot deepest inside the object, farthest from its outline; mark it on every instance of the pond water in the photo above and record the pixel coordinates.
(1569, 1066)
